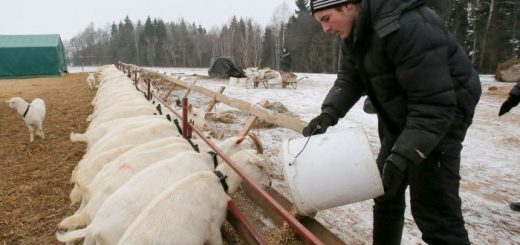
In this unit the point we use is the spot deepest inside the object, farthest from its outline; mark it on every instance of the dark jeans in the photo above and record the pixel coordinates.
(434, 199)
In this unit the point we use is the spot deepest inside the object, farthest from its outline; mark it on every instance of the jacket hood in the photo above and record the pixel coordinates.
(382, 16)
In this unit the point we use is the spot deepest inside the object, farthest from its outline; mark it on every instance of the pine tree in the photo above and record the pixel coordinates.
(267, 59)
(160, 50)
(302, 7)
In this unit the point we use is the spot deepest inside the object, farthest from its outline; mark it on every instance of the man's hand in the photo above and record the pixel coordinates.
(393, 174)
(511, 102)
(317, 125)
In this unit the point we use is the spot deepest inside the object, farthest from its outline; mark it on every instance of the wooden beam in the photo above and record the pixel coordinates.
(189, 88)
(251, 121)
(213, 102)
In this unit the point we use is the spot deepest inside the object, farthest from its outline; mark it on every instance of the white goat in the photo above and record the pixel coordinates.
(91, 81)
(33, 114)
(192, 210)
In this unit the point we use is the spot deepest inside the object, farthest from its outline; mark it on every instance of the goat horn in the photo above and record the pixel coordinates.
(258, 144)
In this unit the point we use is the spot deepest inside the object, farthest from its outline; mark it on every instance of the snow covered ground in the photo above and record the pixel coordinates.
(490, 165)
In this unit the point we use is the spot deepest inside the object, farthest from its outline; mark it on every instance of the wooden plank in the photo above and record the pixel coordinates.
(189, 88)
(213, 102)
(251, 121)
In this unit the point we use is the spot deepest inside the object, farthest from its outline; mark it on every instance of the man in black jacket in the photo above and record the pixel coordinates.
(286, 60)
(421, 83)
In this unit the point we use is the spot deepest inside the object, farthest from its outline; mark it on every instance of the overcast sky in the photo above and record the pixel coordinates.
(69, 17)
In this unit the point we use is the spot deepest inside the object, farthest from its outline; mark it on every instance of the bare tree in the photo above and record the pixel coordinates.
(278, 24)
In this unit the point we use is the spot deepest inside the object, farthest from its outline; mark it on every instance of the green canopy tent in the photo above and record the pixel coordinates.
(31, 55)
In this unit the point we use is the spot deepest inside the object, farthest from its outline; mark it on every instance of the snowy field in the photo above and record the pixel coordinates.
(489, 169)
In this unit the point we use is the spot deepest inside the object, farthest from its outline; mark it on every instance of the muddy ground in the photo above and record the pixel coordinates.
(34, 177)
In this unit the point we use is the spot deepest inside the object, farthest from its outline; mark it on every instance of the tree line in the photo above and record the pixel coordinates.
(489, 31)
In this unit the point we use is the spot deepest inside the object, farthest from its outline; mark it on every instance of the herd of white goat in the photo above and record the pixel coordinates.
(141, 182)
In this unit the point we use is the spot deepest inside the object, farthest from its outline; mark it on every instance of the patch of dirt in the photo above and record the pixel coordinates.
(496, 197)
(497, 91)
(34, 177)
(469, 187)
(512, 141)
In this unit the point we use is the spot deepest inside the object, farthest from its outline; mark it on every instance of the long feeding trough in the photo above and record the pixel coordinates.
(278, 209)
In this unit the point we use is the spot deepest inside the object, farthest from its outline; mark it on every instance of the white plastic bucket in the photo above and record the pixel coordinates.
(334, 169)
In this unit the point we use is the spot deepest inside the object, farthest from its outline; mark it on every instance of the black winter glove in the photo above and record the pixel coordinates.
(317, 125)
(393, 174)
(511, 102)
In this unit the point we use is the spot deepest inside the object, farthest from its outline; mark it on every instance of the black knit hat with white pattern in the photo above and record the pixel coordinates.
(317, 5)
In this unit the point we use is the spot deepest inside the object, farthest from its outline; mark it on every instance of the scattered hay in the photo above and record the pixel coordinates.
(284, 235)
(230, 236)
(227, 117)
(276, 107)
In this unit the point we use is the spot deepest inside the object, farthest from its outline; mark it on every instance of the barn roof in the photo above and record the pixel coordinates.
(32, 55)
(19, 41)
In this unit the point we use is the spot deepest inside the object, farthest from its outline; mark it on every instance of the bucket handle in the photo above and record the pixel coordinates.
(300, 152)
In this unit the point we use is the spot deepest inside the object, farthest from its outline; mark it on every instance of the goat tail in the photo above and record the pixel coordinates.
(76, 220)
(71, 236)
(75, 195)
(78, 137)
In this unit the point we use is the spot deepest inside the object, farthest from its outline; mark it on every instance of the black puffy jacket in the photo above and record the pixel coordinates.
(419, 79)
